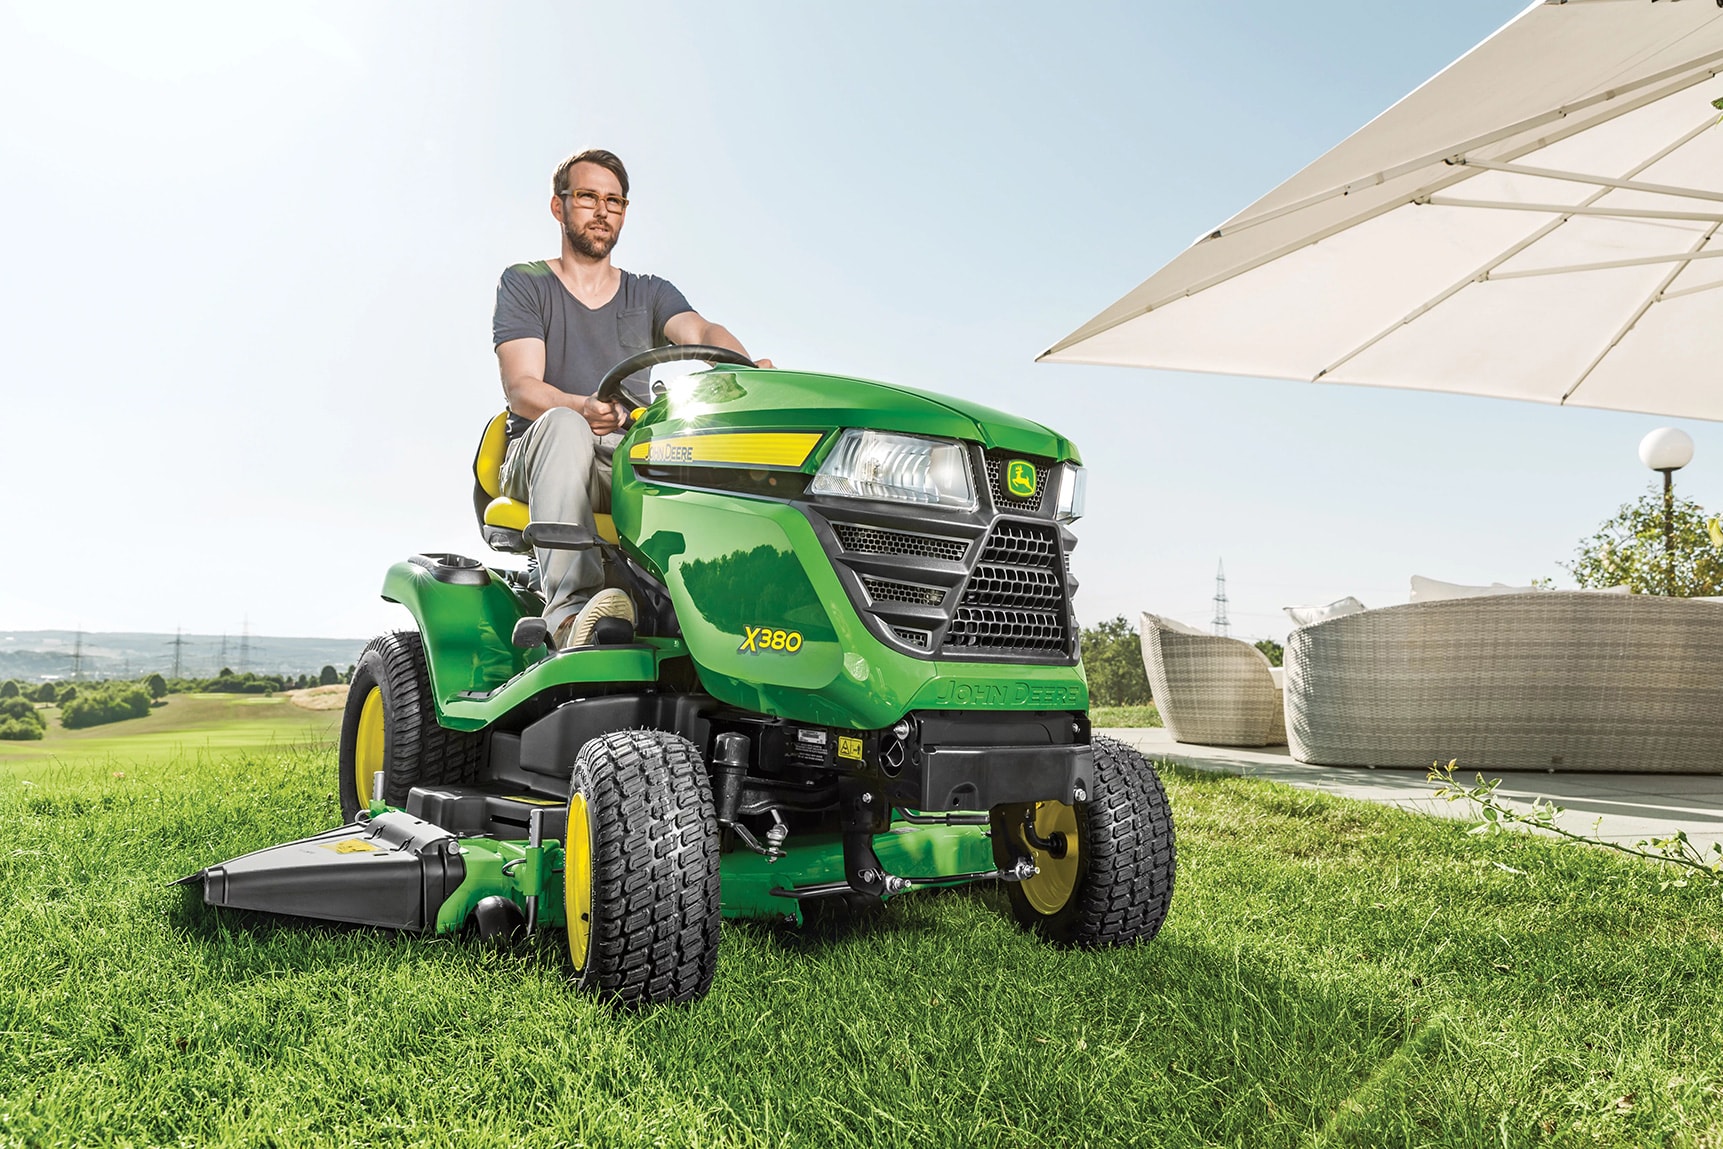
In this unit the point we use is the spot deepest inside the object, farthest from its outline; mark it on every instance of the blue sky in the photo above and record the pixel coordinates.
(249, 257)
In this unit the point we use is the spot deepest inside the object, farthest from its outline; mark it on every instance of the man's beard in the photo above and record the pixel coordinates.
(589, 245)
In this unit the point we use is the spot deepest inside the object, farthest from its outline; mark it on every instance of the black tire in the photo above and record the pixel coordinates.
(415, 750)
(1119, 883)
(641, 883)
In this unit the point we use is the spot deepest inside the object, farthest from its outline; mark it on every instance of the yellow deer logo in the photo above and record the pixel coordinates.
(1020, 478)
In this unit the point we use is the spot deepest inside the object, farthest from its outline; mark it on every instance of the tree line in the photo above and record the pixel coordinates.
(96, 702)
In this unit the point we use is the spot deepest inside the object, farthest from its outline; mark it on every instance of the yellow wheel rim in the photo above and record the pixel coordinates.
(368, 746)
(577, 880)
(1050, 890)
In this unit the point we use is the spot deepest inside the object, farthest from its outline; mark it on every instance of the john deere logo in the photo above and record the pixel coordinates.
(1020, 478)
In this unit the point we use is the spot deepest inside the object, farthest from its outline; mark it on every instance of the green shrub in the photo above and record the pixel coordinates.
(1630, 550)
(156, 685)
(108, 703)
(45, 692)
(1113, 659)
(21, 708)
(12, 730)
(1272, 649)
(19, 720)
(328, 676)
(8, 689)
(248, 683)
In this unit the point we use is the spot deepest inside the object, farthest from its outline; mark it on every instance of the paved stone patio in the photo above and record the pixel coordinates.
(1631, 806)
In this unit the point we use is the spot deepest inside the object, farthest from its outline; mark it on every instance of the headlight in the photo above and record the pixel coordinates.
(1071, 484)
(902, 468)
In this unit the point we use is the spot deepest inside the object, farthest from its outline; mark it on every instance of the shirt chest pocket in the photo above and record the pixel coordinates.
(634, 329)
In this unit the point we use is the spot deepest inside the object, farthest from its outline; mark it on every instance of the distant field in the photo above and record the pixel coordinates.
(189, 727)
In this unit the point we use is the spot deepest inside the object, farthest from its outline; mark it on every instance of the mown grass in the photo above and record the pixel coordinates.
(1124, 717)
(1331, 974)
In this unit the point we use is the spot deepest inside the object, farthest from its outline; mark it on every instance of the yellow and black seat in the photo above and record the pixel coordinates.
(502, 519)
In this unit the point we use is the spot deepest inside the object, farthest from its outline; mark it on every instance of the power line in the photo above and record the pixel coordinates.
(1220, 622)
(178, 644)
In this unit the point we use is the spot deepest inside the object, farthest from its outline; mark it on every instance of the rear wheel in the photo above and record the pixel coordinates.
(1105, 865)
(640, 868)
(391, 725)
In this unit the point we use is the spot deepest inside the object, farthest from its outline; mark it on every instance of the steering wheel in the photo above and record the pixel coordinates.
(610, 387)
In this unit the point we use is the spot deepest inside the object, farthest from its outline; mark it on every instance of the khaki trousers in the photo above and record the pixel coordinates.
(562, 471)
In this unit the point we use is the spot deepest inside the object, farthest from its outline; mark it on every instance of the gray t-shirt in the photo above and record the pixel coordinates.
(581, 343)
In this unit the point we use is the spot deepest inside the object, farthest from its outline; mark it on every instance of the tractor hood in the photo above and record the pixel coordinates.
(785, 400)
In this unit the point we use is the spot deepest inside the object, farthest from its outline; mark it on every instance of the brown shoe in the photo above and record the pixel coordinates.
(608, 603)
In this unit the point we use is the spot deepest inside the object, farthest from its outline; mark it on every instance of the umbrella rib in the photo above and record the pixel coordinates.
(1690, 290)
(1597, 181)
(1703, 69)
(1638, 314)
(1570, 209)
(1603, 265)
(1484, 272)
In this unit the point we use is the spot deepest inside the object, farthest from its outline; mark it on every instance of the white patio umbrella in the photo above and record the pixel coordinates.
(1538, 221)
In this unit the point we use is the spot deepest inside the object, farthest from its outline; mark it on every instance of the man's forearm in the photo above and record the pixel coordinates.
(716, 335)
(529, 398)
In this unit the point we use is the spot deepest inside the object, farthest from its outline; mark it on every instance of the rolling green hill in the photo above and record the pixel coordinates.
(189, 726)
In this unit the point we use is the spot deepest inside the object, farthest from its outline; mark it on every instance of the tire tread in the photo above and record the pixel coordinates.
(655, 897)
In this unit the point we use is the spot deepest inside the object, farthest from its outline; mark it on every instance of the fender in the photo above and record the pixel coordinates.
(466, 616)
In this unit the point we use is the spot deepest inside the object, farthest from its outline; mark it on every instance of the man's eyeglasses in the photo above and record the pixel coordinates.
(589, 199)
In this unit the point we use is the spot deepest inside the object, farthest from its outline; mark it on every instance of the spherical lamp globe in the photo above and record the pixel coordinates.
(1666, 449)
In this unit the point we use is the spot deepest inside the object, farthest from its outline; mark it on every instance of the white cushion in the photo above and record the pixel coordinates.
(1171, 624)
(1310, 615)
(1435, 590)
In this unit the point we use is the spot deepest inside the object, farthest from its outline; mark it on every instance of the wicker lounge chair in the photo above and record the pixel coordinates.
(1551, 680)
(1212, 691)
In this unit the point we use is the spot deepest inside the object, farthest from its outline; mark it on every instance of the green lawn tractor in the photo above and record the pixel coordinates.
(854, 673)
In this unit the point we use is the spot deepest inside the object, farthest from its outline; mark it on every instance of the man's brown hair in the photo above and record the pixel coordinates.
(604, 159)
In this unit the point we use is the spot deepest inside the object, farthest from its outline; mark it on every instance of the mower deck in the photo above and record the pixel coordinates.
(396, 869)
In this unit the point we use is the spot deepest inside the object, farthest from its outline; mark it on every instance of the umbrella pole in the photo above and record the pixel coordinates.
(1668, 531)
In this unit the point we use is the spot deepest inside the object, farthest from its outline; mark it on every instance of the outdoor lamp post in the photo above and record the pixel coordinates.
(1667, 449)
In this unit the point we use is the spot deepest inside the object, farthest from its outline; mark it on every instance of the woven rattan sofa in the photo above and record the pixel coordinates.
(1211, 690)
(1550, 680)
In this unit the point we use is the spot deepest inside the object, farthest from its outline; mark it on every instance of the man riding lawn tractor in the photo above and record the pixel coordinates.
(844, 666)
(559, 325)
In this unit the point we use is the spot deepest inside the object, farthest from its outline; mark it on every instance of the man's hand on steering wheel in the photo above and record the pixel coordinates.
(602, 417)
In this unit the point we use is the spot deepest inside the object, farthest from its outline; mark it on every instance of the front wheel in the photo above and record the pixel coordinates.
(640, 869)
(1104, 866)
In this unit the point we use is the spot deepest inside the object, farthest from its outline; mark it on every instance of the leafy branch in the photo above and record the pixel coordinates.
(1674, 850)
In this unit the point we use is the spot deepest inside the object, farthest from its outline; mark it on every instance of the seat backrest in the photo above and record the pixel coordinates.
(488, 464)
(488, 459)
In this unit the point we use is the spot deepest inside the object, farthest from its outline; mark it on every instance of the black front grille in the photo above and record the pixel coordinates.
(888, 590)
(983, 585)
(1015, 601)
(1002, 496)
(879, 541)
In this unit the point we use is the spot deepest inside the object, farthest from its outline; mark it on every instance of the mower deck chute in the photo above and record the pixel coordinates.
(393, 871)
